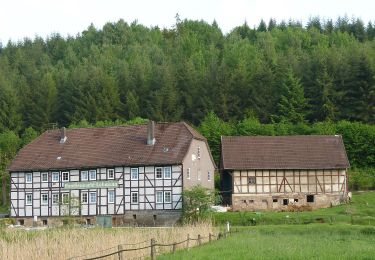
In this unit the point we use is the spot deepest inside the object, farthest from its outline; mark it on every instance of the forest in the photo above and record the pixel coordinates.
(284, 78)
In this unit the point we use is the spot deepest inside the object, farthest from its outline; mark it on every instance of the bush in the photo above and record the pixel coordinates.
(197, 204)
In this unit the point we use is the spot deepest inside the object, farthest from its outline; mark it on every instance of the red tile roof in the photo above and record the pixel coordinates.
(283, 152)
(110, 146)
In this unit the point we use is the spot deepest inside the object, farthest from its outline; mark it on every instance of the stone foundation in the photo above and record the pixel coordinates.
(130, 218)
(278, 202)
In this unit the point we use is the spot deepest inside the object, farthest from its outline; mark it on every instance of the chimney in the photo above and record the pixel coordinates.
(63, 136)
(150, 133)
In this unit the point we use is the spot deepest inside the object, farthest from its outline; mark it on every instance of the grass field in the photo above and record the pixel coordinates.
(342, 232)
(312, 241)
(361, 211)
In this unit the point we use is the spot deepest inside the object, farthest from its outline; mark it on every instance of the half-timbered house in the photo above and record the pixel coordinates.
(275, 172)
(132, 173)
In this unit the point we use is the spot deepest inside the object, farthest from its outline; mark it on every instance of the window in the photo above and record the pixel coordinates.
(92, 197)
(295, 200)
(134, 173)
(92, 175)
(188, 173)
(84, 175)
(29, 199)
(65, 198)
(84, 197)
(199, 175)
(275, 200)
(310, 198)
(209, 176)
(159, 197)
(44, 176)
(65, 176)
(199, 152)
(111, 196)
(134, 196)
(55, 198)
(29, 177)
(167, 172)
(252, 180)
(167, 197)
(285, 202)
(159, 173)
(44, 199)
(111, 173)
(55, 177)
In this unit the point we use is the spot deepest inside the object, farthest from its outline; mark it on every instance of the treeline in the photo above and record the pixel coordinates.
(277, 72)
(359, 138)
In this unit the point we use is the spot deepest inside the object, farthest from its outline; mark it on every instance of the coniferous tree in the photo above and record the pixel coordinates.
(262, 26)
(292, 104)
(132, 107)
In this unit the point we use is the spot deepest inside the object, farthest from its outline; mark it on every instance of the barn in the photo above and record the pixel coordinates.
(277, 172)
(131, 174)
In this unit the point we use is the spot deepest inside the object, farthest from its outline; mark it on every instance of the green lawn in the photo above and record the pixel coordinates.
(313, 241)
(342, 232)
(360, 211)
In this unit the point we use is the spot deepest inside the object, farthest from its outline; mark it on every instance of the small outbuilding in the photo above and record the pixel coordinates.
(275, 172)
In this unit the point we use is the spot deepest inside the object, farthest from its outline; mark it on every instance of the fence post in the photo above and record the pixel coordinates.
(209, 237)
(120, 253)
(199, 240)
(187, 242)
(174, 248)
(152, 249)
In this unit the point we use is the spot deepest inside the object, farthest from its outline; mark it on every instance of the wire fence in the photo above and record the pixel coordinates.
(151, 248)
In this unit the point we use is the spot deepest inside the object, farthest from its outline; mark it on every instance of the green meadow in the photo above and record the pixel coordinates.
(342, 232)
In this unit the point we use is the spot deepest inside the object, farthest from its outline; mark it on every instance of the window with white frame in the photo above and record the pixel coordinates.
(199, 152)
(92, 197)
(44, 176)
(199, 175)
(65, 198)
(188, 173)
(44, 198)
(92, 175)
(111, 196)
(159, 173)
(167, 172)
(84, 175)
(84, 197)
(55, 176)
(134, 173)
(111, 174)
(29, 199)
(167, 197)
(55, 198)
(29, 177)
(209, 176)
(65, 176)
(159, 197)
(134, 197)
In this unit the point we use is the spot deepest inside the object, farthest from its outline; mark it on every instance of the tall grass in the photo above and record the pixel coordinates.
(64, 243)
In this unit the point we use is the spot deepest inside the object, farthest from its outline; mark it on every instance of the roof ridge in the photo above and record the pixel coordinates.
(258, 136)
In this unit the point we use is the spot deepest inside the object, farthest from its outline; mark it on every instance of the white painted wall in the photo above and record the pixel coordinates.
(146, 186)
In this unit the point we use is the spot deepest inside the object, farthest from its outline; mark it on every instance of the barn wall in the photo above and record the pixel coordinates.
(271, 189)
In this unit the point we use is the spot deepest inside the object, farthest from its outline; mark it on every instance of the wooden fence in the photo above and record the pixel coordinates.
(120, 252)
